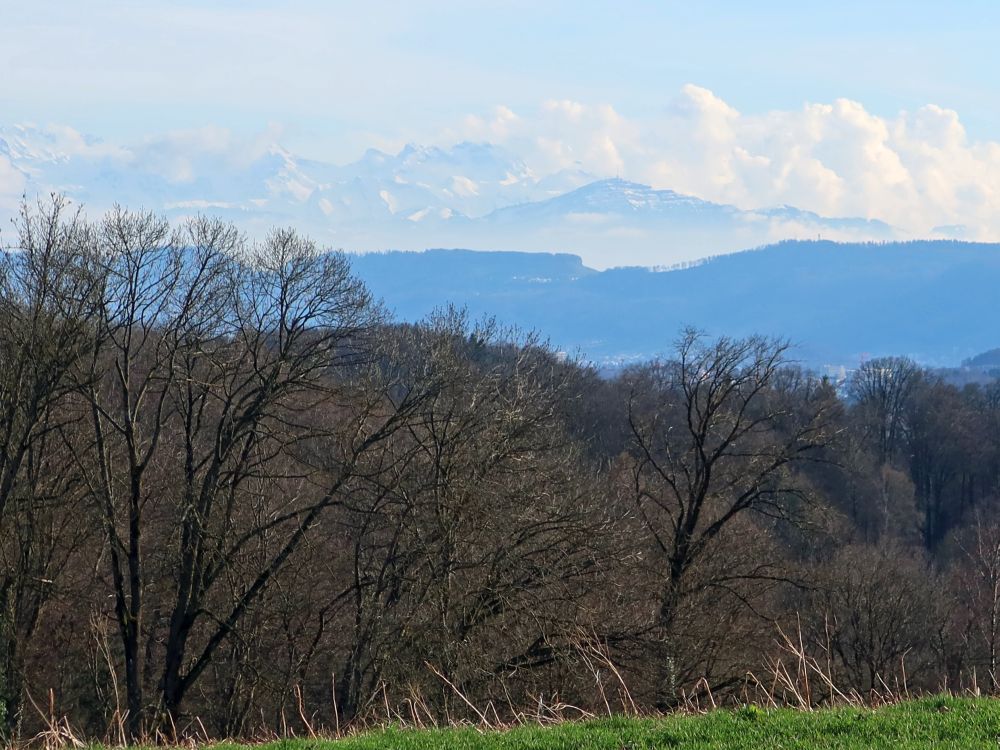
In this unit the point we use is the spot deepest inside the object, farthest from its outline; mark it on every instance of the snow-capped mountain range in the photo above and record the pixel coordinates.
(470, 195)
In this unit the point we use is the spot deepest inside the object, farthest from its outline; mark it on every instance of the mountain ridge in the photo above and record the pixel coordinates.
(838, 303)
(471, 194)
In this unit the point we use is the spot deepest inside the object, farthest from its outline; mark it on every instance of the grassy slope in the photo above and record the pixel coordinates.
(930, 723)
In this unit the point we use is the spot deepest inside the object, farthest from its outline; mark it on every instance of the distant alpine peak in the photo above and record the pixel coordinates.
(620, 183)
(471, 193)
(28, 143)
(276, 149)
(643, 192)
(620, 195)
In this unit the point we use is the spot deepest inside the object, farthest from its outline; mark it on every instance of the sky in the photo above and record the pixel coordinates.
(883, 109)
(338, 76)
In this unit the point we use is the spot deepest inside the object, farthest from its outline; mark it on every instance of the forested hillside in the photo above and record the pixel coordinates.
(840, 303)
(237, 496)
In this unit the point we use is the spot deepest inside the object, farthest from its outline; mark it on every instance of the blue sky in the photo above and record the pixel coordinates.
(336, 76)
(884, 110)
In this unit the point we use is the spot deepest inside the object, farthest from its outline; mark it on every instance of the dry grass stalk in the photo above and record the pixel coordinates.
(461, 696)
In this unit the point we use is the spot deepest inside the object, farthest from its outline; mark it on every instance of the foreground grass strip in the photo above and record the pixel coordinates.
(930, 723)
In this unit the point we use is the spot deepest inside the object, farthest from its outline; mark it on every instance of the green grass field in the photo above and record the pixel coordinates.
(929, 723)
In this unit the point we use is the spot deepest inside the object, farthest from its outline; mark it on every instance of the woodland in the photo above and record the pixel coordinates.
(236, 495)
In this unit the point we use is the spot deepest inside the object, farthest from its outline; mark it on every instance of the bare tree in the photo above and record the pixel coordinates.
(714, 439)
(125, 388)
(248, 402)
(873, 608)
(945, 446)
(882, 388)
(46, 309)
(979, 588)
(473, 541)
(211, 369)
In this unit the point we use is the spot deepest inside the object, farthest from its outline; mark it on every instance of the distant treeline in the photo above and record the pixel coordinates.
(236, 497)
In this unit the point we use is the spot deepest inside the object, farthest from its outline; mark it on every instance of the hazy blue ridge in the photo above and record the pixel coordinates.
(839, 303)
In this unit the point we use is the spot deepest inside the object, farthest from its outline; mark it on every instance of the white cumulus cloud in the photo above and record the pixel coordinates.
(916, 170)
